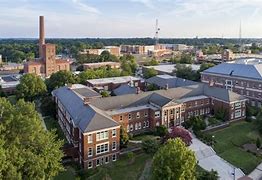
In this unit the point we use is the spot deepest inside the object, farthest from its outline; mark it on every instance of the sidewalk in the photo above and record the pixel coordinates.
(256, 174)
(208, 160)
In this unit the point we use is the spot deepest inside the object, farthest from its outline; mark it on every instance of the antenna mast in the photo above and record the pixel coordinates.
(157, 32)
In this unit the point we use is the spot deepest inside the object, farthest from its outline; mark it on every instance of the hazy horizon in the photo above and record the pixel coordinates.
(131, 18)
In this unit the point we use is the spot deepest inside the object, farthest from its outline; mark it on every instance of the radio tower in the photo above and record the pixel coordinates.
(157, 32)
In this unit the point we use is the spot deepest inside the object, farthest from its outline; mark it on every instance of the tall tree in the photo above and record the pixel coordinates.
(30, 87)
(59, 79)
(174, 161)
(27, 151)
(150, 72)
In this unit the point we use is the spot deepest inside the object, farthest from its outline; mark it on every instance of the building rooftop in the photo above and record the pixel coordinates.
(172, 81)
(95, 114)
(115, 80)
(101, 63)
(251, 71)
(9, 81)
(169, 68)
(124, 89)
(251, 61)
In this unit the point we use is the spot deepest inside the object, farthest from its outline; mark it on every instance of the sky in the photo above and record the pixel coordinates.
(131, 18)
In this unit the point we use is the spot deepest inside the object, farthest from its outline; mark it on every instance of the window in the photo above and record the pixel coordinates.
(106, 160)
(101, 135)
(139, 125)
(165, 113)
(144, 126)
(237, 105)
(157, 114)
(102, 148)
(129, 116)
(114, 145)
(136, 126)
(138, 115)
(90, 164)
(114, 157)
(114, 133)
(121, 118)
(147, 123)
(232, 106)
(247, 93)
(131, 127)
(145, 114)
(237, 113)
(90, 152)
(157, 124)
(127, 128)
(89, 138)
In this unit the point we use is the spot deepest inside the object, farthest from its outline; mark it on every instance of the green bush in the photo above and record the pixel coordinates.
(150, 145)
(161, 131)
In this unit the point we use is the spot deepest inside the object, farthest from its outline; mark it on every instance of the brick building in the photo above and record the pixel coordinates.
(112, 65)
(92, 124)
(243, 77)
(47, 63)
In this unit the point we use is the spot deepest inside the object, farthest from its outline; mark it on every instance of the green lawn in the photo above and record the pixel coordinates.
(123, 169)
(142, 137)
(229, 142)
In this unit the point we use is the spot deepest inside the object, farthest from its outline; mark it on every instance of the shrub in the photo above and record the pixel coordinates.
(161, 131)
(150, 145)
(258, 143)
(124, 138)
(181, 133)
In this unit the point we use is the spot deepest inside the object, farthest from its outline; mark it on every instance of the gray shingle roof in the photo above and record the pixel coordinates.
(124, 89)
(238, 70)
(86, 117)
(92, 117)
(172, 81)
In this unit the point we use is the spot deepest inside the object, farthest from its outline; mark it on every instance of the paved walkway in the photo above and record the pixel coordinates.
(256, 174)
(208, 159)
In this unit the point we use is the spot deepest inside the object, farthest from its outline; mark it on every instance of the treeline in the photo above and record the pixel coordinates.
(17, 50)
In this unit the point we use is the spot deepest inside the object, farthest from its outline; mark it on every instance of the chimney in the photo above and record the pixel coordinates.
(41, 35)
(86, 100)
(138, 90)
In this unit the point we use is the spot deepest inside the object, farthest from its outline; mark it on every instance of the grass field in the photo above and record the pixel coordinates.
(123, 169)
(229, 143)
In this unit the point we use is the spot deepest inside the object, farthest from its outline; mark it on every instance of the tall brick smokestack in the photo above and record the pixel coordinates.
(41, 35)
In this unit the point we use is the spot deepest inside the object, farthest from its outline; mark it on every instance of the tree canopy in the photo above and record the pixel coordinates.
(174, 161)
(30, 87)
(59, 79)
(27, 151)
(149, 72)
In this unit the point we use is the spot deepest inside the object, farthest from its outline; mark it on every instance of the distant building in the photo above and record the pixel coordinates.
(167, 81)
(8, 83)
(109, 84)
(243, 77)
(114, 50)
(227, 55)
(47, 63)
(11, 67)
(1, 60)
(169, 68)
(113, 65)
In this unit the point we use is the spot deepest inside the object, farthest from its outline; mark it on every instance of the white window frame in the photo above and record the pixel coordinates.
(114, 145)
(114, 157)
(90, 155)
(102, 148)
(157, 114)
(90, 167)
(238, 113)
(113, 132)
(129, 116)
(137, 115)
(90, 138)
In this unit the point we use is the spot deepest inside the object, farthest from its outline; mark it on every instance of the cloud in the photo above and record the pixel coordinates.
(147, 3)
(85, 7)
